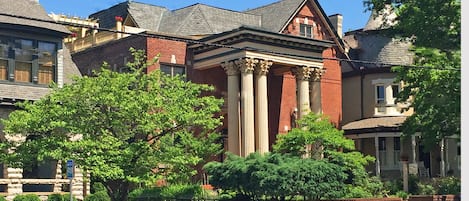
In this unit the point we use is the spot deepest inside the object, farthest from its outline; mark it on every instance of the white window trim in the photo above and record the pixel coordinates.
(390, 108)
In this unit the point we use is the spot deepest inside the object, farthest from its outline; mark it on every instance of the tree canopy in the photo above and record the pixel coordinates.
(123, 128)
(434, 87)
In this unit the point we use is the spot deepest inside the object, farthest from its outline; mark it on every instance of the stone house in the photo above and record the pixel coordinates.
(370, 115)
(271, 64)
(32, 55)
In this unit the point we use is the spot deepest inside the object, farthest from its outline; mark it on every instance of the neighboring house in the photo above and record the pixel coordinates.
(32, 55)
(280, 72)
(370, 115)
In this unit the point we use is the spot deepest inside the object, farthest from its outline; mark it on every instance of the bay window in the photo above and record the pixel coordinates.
(27, 61)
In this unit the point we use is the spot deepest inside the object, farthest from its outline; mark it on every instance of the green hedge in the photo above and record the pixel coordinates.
(27, 197)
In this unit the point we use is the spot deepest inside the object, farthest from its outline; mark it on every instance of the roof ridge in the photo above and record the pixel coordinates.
(264, 6)
(194, 6)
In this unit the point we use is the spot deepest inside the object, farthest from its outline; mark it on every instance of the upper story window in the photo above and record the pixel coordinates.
(27, 61)
(306, 30)
(173, 70)
(385, 93)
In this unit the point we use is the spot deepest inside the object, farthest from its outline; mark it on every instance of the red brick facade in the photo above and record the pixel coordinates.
(281, 86)
(331, 82)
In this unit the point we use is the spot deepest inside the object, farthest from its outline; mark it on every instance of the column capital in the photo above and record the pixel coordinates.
(246, 64)
(316, 74)
(302, 72)
(263, 67)
(230, 67)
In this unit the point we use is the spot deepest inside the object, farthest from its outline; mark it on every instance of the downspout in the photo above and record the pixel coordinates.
(362, 77)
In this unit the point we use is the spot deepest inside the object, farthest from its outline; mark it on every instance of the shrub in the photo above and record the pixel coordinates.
(98, 196)
(2, 198)
(425, 189)
(27, 197)
(448, 185)
(175, 191)
(181, 191)
(60, 197)
(402, 194)
(277, 176)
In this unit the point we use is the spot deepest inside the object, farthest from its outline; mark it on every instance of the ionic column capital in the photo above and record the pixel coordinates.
(263, 67)
(230, 67)
(316, 74)
(246, 65)
(302, 72)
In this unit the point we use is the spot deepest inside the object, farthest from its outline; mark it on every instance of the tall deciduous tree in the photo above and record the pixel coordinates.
(121, 127)
(435, 90)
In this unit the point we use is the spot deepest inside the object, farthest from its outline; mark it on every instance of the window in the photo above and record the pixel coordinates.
(380, 98)
(306, 30)
(389, 152)
(173, 70)
(395, 90)
(382, 151)
(397, 151)
(27, 61)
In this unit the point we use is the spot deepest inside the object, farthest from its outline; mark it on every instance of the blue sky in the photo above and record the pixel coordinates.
(352, 10)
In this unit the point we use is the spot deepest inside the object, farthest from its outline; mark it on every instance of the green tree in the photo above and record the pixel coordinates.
(117, 126)
(435, 90)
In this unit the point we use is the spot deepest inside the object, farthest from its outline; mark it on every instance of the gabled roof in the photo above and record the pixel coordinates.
(201, 19)
(146, 16)
(276, 15)
(30, 9)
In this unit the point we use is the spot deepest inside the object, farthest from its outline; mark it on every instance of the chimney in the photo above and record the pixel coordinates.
(336, 21)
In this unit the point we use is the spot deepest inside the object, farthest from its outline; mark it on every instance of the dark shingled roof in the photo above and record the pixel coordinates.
(141, 13)
(197, 19)
(371, 44)
(200, 19)
(276, 15)
(28, 8)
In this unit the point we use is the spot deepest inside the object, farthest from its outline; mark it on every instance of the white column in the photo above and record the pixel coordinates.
(316, 91)
(246, 67)
(302, 77)
(233, 107)
(262, 117)
(378, 169)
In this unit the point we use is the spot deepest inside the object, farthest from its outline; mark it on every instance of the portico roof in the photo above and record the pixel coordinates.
(373, 125)
(256, 42)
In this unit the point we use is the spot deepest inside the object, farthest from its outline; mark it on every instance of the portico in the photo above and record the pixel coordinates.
(250, 74)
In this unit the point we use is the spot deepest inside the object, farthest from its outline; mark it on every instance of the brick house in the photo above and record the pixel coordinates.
(272, 72)
(32, 55)
(371, 117)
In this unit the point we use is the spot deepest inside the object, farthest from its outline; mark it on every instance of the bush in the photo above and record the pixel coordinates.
(425, 189)
(176, 191)
(277, 176)
(60, 197)
(448, 185)
(98, 196)
(402, 194)
(27, 197)
(179, 191)
(2, 198)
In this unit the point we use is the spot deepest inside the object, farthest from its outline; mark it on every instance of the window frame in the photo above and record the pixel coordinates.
(172, 67)
(304, 32)
(34, 77)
